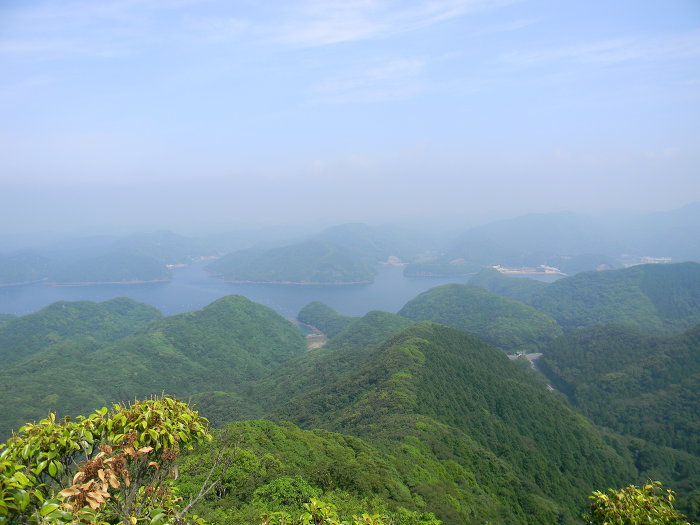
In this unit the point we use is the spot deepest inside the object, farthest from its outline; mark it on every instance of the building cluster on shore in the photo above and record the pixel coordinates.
(527, 270)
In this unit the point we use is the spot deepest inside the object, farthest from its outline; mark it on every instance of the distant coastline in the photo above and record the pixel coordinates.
(24, 283)
(300, 283)
(95, 283)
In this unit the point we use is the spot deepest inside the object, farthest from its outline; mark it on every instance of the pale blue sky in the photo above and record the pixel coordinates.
(174, 111)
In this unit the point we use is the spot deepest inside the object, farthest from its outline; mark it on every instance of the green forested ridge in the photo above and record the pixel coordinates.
(519, 288)
(370, 330)
(324, 318)
(449, 401)
(280, 466)
(107, 321)
(307, 262)
(341, 355)
(506, 323)
(6, 317)
(432, 419)
(634, 383)
(662, 298)
(218, 348)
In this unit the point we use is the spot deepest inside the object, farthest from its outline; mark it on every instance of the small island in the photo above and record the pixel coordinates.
(307, 263)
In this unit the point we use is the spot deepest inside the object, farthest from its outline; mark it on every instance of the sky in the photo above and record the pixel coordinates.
(174, 113)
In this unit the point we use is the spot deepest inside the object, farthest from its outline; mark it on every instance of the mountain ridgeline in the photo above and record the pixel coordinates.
(349, 253)
(569, 241)
(107, 259)
(506, 323)
(656, 298)
(310, 262)
(218, 348)
(409, 414)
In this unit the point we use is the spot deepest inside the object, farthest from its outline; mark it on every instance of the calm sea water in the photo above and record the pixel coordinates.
(192, 289)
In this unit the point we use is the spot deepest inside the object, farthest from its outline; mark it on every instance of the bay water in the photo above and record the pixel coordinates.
(192, 288)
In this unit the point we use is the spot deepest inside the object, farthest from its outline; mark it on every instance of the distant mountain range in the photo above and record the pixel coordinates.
(349, 253)
(571, 242)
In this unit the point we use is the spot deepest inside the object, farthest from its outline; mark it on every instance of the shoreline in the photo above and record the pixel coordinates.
(24, 283)
(54, 284)
(299, 283)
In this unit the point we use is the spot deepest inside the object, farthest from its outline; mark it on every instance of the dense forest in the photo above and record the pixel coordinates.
(503, 322)
(417, 416)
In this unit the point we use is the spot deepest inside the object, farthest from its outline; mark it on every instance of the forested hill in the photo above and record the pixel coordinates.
(220, 347)
(324, 318)
(452, 425)
(518, 288)
(468, 426)
(637, 384)
(656, 298)
(343, 353)
(64, 321)
(662, 298)
(503, 322)
(308, 262)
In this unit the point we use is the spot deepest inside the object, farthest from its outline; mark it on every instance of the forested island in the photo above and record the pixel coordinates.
(350, 253)
(311, 262)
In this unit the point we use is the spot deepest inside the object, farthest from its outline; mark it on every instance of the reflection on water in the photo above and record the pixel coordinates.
(192, 289)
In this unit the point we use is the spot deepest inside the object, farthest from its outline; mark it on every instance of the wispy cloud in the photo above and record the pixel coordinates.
(390, 80)
(614, 51)
(60, 29)
(323, 22)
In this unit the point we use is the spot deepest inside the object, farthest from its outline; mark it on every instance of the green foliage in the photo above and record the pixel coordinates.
(518, 288)
(323, 318)
(285, 491)
(109, 467)
(432, 419)
(218, 348)
(503, 322)
(107, 321)
(342, 354)
(661, 298)
(304, 263)
(634, 506)
(278, 468)
(370, 330)
(476, 437)
(634, 383)
(317, 512)
(6, 317)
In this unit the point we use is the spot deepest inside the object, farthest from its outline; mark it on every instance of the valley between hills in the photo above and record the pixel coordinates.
(418, 413)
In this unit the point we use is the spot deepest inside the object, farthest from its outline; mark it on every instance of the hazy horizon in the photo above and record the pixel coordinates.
(182, 114)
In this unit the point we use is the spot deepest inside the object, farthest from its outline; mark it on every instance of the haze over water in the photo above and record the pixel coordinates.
(191, 289)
